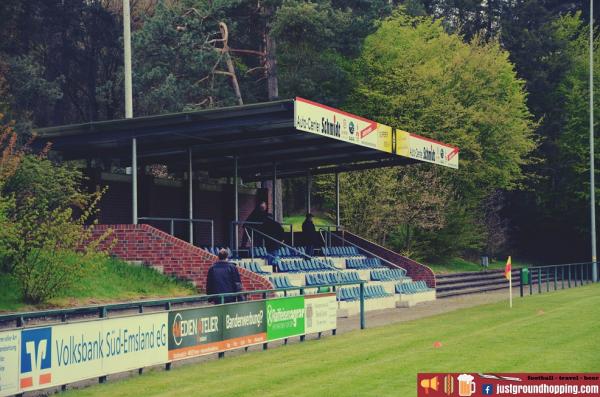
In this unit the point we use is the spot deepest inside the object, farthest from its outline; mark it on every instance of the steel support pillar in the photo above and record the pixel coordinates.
(190, 197)
(134, 182)
(337, 199)
(308, 191)
(236, 215)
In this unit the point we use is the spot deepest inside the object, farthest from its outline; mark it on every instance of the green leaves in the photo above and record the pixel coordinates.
(45, 217)
(414, 76)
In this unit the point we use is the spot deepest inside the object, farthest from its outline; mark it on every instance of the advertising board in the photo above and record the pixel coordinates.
(323, 120)
(66, 353)
(9, 362)
(321, 313)
(40, 357)
(213, 329)
(285, 317)
(425, 149)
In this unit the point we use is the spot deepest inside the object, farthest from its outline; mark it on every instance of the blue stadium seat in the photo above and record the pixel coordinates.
(281, 282)
(413, 287)
(388, 274)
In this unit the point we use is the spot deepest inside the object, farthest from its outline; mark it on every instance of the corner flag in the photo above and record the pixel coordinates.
(508, 269)
(508, 275)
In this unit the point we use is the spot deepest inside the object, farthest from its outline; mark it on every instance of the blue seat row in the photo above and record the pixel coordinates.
(365, 263)
(353, 293)
(332, 278)
(340, 251)
(286, 252)
(253, 267)
(388, 274)
(412, 288)
(304, 265)
(260, 252)
(215, 250)
(280, 282)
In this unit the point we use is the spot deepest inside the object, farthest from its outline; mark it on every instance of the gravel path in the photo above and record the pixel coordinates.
(426, 309)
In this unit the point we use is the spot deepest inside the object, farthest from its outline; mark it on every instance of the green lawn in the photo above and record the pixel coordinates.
(114, 280)
(458, 265)
(554, 332)
(296, 221)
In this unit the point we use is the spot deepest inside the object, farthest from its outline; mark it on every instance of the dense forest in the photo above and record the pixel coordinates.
(505, 80)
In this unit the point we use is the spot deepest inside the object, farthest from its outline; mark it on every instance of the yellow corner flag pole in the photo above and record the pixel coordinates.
(508, 275)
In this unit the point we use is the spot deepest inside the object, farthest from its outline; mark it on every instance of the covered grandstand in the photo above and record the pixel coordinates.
(184, 173)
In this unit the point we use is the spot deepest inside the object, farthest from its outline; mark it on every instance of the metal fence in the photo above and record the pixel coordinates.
(103, 311)
(190, 222)
(554, 277)
(49, 320)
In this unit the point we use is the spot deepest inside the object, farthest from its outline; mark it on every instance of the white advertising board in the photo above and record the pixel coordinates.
(9, 362)
(65, 353)
(321, 313)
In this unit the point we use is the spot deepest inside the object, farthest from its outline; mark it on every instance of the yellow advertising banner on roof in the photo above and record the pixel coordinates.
(426, 149)
(320, 119)
(334, 123)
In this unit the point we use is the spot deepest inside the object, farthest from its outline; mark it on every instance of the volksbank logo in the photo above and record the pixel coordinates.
(36, 357)
(193, 327)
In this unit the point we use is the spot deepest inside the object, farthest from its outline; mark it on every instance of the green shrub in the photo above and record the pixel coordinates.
(44, 213)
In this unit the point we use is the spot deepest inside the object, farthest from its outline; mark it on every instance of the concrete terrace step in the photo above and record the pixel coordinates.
(463, 274)
(473, 282)
(473, 290)
(473, 277)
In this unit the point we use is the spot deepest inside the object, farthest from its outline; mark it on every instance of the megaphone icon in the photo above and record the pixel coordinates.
(431, 383)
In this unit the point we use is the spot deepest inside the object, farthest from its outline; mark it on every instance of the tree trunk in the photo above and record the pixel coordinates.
(270, 61)
(271, 67)
(229, 62)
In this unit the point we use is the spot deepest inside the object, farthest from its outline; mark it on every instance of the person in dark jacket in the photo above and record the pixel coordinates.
(258, 215)
(274, 230)
(310, 235)
(223, 277)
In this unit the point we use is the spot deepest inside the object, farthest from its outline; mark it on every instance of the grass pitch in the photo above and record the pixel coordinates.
(552, 332)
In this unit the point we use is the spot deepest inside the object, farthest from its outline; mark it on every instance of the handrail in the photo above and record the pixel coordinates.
(300, 253)
(242, 223)
(102, 310)
(575, 272)
(187, 220)
(367, 252)
(234, 225)
(291, 231)
(327, 229)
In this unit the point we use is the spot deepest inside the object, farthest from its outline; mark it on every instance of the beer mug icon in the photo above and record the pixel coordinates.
(466, 386)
